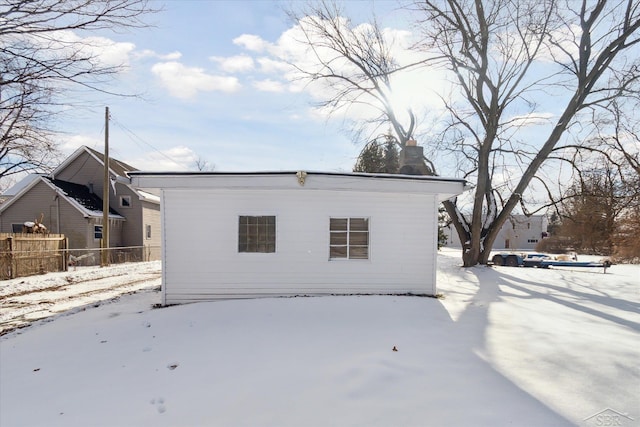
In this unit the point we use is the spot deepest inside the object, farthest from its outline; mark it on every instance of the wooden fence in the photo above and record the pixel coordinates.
(28, 254)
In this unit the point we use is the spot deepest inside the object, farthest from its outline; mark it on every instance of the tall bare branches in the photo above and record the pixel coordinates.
(354, 63)
(43, 56)
(494, 50)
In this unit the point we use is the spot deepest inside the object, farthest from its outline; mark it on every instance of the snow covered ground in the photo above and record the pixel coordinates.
(26, 299)
(505, 346)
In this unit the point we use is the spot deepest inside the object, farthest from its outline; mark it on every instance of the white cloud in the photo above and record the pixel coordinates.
(68, 144)
(234, 64)
(178, 158)
(105, 51)
(269, 85)
(268, 65)
(251, 42)
(148, 53)
(185, 82)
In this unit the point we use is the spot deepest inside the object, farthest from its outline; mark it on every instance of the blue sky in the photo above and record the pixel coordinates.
(214, 86)
(209, 91)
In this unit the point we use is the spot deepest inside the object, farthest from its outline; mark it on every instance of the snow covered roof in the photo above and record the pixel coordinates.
(79, 196)
(89, 203)
(18, 186)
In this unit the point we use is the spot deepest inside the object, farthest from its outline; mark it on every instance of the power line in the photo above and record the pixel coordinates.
(137, 139)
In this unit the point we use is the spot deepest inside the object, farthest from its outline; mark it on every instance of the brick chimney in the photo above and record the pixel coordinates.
(412, 160)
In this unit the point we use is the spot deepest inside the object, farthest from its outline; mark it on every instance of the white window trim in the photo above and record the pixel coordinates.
(257, 253)
(347, 259)
(122, 205)
(95, 231)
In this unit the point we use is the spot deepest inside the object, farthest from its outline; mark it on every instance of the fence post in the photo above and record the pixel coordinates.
(12, 263)
(65, 256)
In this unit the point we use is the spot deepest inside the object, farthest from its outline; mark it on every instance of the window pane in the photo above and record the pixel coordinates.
(338, 239)
(338, 224)
(257, 234)
(359, 224)
(338, 252)
(349, 238)
(358, 252)
(359, 238)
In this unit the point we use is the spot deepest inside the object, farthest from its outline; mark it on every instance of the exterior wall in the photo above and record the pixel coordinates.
(518, 233)
(202, 262)
(84, 170)
(132, 229)
(151, 216)
(40, 200)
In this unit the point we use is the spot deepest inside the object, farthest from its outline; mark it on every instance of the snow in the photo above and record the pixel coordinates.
(505, 346)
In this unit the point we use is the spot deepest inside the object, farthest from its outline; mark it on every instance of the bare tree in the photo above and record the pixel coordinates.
(504, 58)
(492, 49)
(356, 65)
(204, 165)
(41, 58)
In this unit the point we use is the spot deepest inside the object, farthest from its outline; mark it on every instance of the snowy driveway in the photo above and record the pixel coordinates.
(28, 299)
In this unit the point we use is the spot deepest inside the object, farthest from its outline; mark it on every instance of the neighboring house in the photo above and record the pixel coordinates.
(243, 235)
(69, 201)
(519, 232)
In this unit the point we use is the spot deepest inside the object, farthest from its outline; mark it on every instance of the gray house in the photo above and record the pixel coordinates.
(69, 201)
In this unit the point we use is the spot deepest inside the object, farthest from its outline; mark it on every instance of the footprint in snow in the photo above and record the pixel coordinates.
(159, 403)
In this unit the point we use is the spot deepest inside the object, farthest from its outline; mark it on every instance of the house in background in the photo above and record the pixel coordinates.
(519, 232)
(244, 235)
(69, 201)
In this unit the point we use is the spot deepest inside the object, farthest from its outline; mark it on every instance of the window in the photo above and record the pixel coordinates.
(125, 201)
(257, 234)
(148, 231)
(17, 228)
(97, 232)
(349, 238)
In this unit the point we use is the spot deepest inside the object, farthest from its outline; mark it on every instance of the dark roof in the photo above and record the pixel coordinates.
(81, 194)
(118, 167)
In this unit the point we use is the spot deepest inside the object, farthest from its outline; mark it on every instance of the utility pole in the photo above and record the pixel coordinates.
(104, 260)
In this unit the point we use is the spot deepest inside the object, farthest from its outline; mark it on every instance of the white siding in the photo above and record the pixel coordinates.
(200, 250)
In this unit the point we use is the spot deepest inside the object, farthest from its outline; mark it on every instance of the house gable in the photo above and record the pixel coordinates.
(77, 184)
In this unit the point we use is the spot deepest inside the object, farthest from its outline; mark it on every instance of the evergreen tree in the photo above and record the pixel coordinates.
(379, 156)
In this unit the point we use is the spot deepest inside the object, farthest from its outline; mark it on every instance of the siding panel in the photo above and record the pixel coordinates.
(202, 262)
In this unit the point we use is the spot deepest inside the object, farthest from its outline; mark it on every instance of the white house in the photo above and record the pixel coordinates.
(243, 235)
(519, 232)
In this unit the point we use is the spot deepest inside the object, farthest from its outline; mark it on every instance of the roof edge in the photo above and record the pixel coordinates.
(262, 173)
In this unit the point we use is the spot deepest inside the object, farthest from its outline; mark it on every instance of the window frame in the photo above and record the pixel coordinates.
(257, 234)
(348, 235)
(122, 199)
(95, 232)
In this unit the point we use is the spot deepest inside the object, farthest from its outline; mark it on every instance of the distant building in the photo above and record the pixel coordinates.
(69, 201)
(519, 232)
